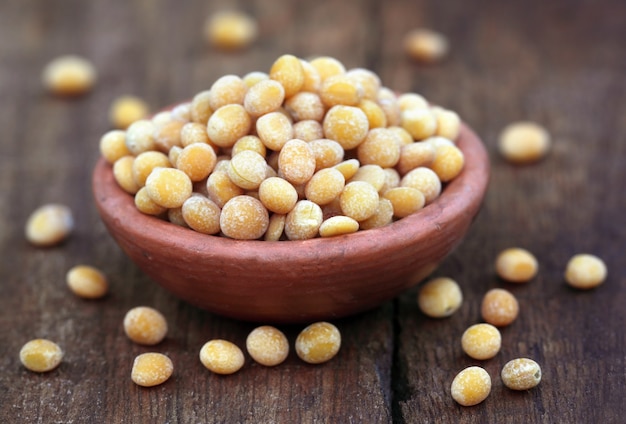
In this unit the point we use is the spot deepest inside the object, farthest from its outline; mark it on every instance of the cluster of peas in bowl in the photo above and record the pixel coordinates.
(309, 149)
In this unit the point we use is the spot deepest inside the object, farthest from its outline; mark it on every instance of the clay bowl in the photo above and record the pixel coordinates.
(297, 281)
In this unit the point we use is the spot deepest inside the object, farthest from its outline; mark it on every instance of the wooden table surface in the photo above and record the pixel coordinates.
(559, 63)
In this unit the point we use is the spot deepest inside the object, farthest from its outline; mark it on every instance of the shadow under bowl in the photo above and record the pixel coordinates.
(297, 281)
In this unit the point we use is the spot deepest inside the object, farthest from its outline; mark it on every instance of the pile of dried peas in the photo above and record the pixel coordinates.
(308, 149)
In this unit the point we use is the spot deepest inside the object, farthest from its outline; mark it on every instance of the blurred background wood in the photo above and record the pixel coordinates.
(560, 63)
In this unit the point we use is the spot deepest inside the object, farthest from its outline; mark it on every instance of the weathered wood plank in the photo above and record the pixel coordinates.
(558, 64)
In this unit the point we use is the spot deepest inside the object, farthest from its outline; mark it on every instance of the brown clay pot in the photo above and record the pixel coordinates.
(297, 281)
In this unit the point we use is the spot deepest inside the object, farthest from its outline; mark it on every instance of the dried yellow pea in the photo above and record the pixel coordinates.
(524, 142)
(274, 130)
(145, 163)
(420, 122)
(244, 218)
(87, 282)
(585, 271)
(471, 386)
(230, 30)
(278, 195)
(481, 341)
(303, 221)
(146, 205)
(69, 75)
(151, 369)
(312, 77)
(374, 112)
(168, 187)
(405, 200)
(338, 225)
(251, 78)
(324, 186)
(440, 297)
(382, 216)
(448, 123)
(411, 100)
(123, 174)
(288, 71)
(359, 200)
(264, 97)
(347, 125)
(380, 147)
(200, 109)
(516, 265)
(197, 160)
(140, 136)
(267, 345)
(220, 188)
(113, 145)
(521, 374)
(372, 174)
(327, 66)
(41, 355)
(201, 214)
(49, 225)
(499, 307)
(329, 153)
(228, 124)
(368, 80)
(296, 162)
(426, 45)
(226, 90)
(318, 343)
(348, 168)
(145, 325)
(221, 356)
(305, 106)
(448, 163)
(127, 109)
(275, 228)
(340, 90)
(425, 180)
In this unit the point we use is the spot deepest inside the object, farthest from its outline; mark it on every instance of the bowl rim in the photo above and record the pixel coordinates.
(458, 197)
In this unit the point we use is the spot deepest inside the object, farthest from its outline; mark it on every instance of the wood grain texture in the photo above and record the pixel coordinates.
(559, 63)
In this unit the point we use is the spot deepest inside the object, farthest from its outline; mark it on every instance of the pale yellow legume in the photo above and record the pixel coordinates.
(49, 225)
(151, 369)
(69, 75)
(481, 341)
(87, 282)
(471, 386)
(318, 343)
(127, 109)
(426, 45)
(221, 356)
(585, 271)
(230, 30)
(524, 142)
(41, 355)
(267, 345)
(521, 374)
(516, 265)
(440, 297)
(145, 325)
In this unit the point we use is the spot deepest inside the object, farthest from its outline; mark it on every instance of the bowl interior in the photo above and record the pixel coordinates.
(297, 281)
